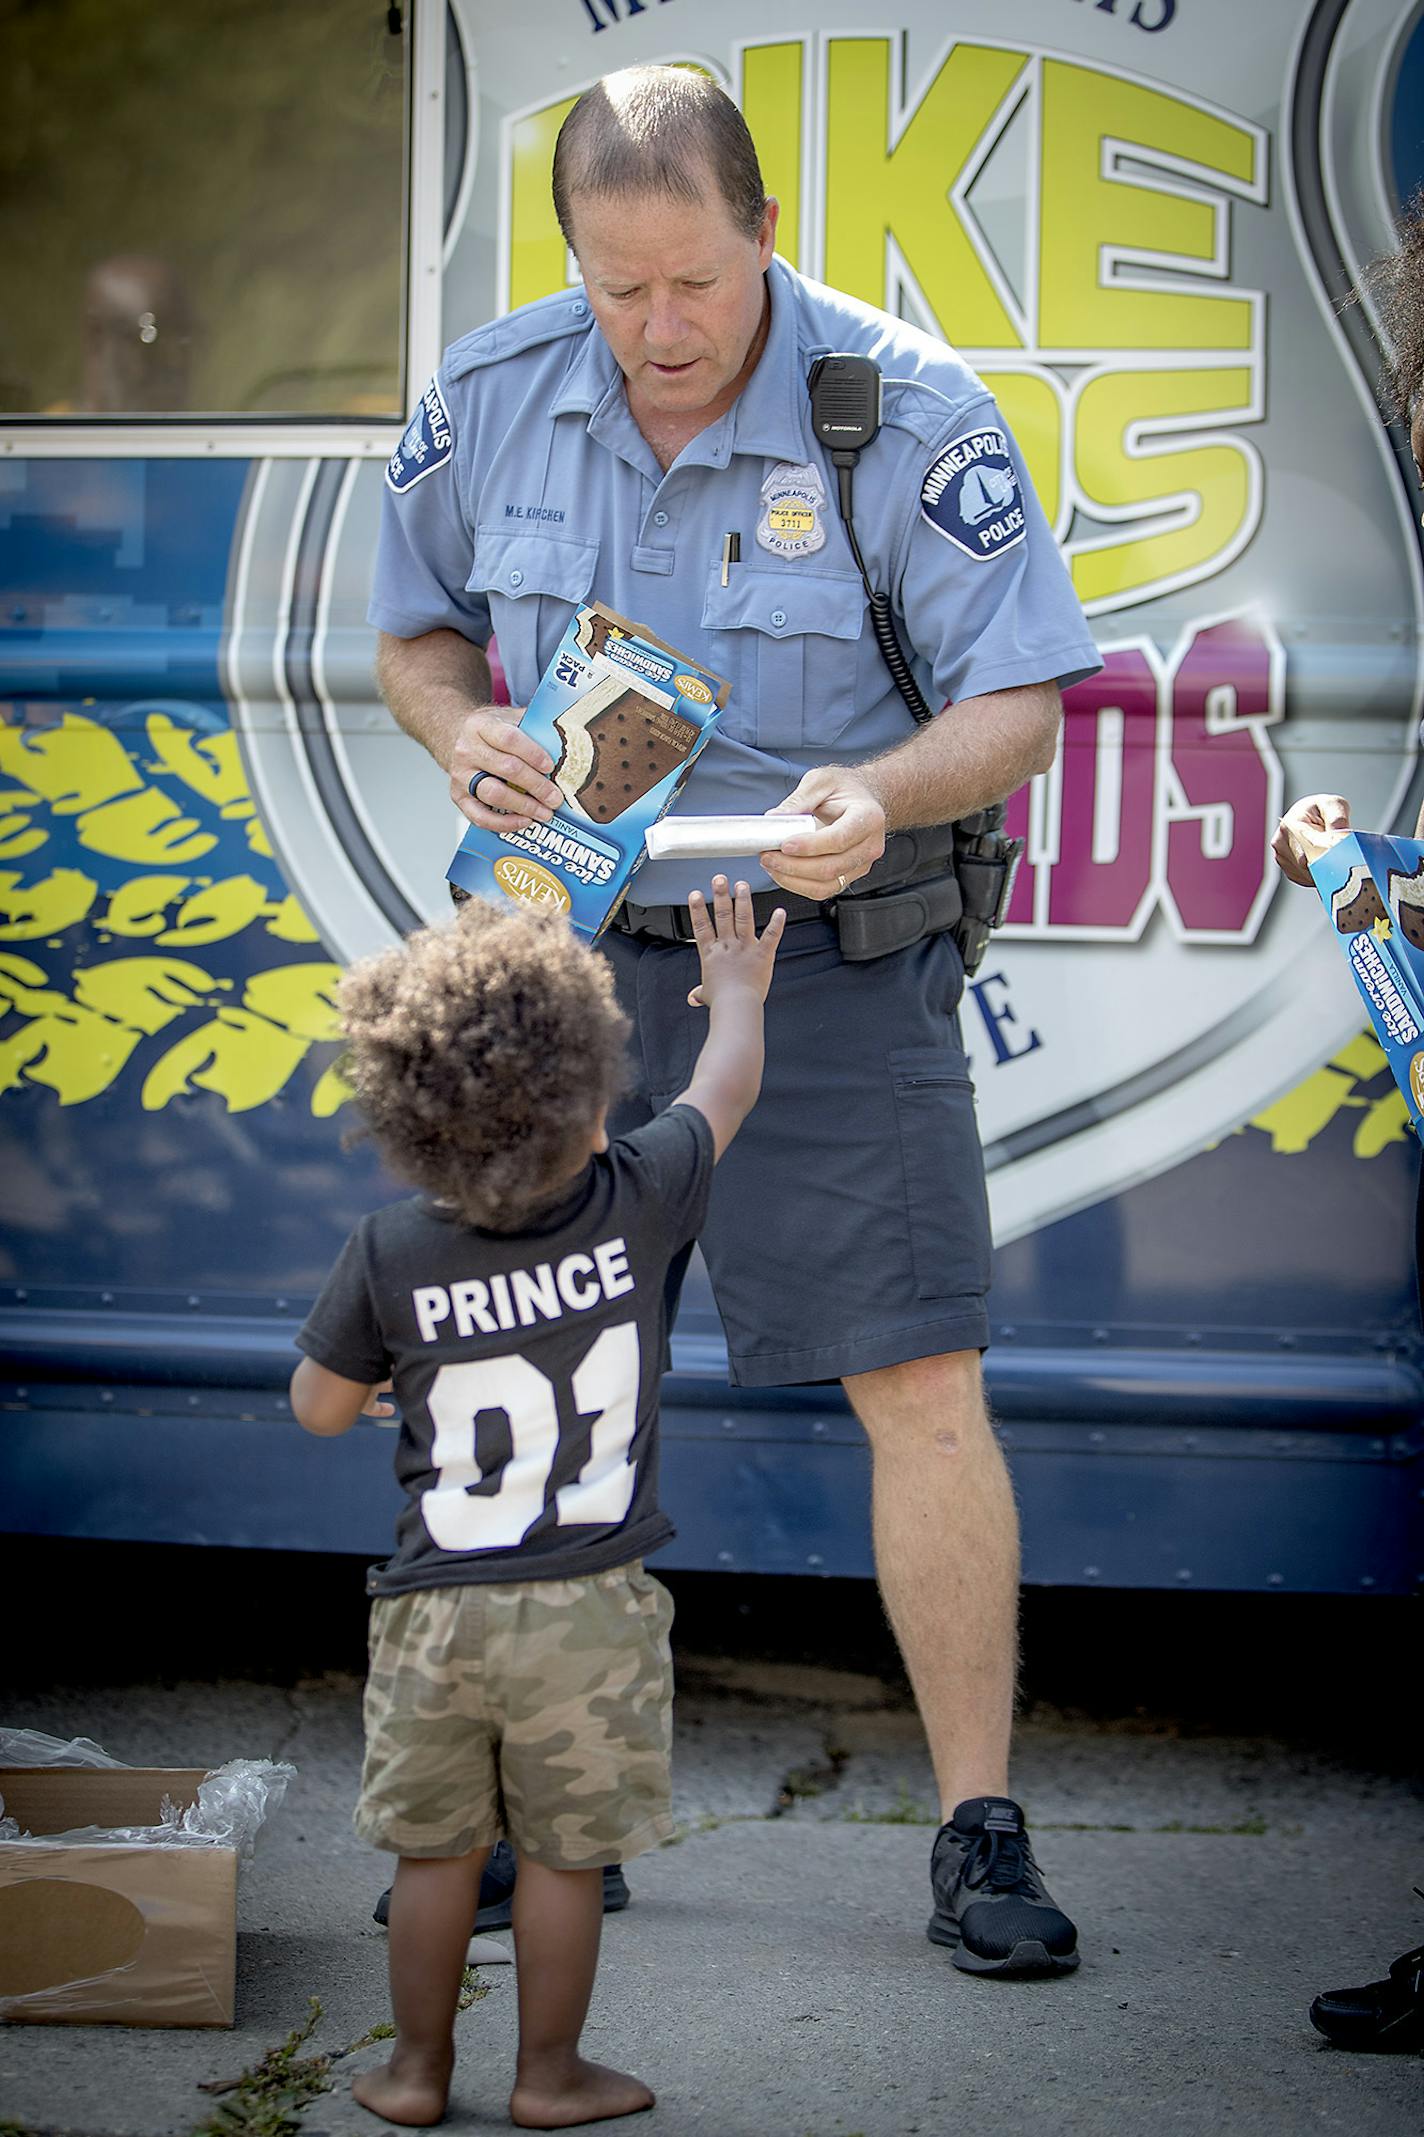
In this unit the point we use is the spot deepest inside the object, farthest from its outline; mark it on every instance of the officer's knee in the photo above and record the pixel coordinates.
(938, 1400)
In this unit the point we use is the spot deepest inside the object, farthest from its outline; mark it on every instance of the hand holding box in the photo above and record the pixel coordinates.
(1373, 891)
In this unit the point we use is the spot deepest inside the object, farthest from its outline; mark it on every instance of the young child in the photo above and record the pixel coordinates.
(521, 1678)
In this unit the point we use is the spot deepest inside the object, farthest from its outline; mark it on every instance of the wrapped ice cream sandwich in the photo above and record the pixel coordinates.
(713, 838)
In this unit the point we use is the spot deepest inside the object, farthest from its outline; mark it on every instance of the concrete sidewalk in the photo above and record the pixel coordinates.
(772, 1978)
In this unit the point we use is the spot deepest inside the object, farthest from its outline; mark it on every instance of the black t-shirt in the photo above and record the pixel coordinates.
(527, 1365)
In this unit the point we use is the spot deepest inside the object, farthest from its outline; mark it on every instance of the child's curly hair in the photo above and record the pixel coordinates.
(1397, 285)
(482, 1053)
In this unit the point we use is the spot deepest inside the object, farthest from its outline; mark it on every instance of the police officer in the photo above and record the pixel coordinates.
(647, 442)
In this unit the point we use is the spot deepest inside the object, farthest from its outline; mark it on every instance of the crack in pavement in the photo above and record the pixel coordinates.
(799, 1783)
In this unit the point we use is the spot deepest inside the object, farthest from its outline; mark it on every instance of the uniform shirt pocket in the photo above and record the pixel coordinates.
(533, 582)
(794, 665)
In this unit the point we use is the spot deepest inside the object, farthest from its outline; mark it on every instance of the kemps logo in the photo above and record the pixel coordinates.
(530, 884)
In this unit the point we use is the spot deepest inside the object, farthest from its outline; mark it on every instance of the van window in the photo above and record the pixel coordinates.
(201, 208)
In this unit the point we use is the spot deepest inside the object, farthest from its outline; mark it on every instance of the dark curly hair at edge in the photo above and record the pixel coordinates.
(1396, 284)
(482, 1053)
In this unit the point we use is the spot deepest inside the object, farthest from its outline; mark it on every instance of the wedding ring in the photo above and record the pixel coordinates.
(478, 776)
(842, 881)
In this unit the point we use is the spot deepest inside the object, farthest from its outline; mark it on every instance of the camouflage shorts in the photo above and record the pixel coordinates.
(539, 1710)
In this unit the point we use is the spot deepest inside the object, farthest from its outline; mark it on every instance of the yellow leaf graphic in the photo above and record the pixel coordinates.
(140, 906)
(43, 908)
(144, 993)
(209, 764)
(212, 915)
(298, 997)
(1299, 1116)
(26, 987)
(71, 1049)
(19, 835)
(1295, 1120)
(145, 826)
(289, 923)
(75, 766)
(1362, 1056)
(331, 1094)
(242, 1057)
(1386, 1122)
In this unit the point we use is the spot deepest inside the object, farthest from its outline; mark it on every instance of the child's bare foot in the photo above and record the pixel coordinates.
(558, 2096)
(411, 2089)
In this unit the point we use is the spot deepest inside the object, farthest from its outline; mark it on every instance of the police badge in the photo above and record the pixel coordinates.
(792, 502)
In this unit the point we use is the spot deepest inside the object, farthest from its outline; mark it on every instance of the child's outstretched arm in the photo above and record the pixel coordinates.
(327, 1403)
(736, 973)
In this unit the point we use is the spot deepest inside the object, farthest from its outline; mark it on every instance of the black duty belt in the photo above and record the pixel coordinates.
(673, 923)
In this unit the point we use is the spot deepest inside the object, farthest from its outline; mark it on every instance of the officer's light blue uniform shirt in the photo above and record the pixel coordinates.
(523, 486)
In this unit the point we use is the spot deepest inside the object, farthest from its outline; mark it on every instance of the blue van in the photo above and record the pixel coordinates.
(238, 238)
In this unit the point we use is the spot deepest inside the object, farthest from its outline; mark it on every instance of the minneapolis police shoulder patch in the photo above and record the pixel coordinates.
(428, 442)
(972, 495)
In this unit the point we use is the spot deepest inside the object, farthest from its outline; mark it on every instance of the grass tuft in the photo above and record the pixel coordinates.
(267, 2100)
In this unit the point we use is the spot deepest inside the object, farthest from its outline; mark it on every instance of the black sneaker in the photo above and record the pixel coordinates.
(496, 1908)
(1384, 2016)
(991, 1904)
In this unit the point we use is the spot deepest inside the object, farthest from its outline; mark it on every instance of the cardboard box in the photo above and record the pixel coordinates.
(623, 715)
(112, 1933)
(1373, 891)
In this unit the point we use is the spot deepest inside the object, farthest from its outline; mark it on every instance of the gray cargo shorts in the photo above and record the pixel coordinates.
(849, 1224)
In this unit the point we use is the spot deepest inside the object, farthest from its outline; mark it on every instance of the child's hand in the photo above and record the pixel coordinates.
(373, 1406)
(1306, 831)
(733, 955)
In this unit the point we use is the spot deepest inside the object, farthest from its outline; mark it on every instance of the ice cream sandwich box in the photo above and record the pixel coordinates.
(1373, 890)
(624, 716)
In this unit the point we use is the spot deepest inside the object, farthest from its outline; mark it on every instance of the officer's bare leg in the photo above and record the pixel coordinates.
(947, 1558)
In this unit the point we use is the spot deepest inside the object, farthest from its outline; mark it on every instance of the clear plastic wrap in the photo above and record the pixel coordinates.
(31, 1747)
(232, 1804)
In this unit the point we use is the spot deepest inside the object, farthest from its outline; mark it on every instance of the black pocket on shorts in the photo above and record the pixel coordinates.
(946, 1203)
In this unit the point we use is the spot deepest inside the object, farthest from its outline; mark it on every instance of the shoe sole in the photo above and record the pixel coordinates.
(501, 1914)
(1027, 1959)
(1394, 2036)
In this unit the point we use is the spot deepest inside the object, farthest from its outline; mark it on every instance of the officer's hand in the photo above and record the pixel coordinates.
(499, 776)
(850, 837)
(1306, 830)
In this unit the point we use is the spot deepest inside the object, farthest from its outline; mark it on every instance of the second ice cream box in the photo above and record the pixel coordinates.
(1373, 890)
